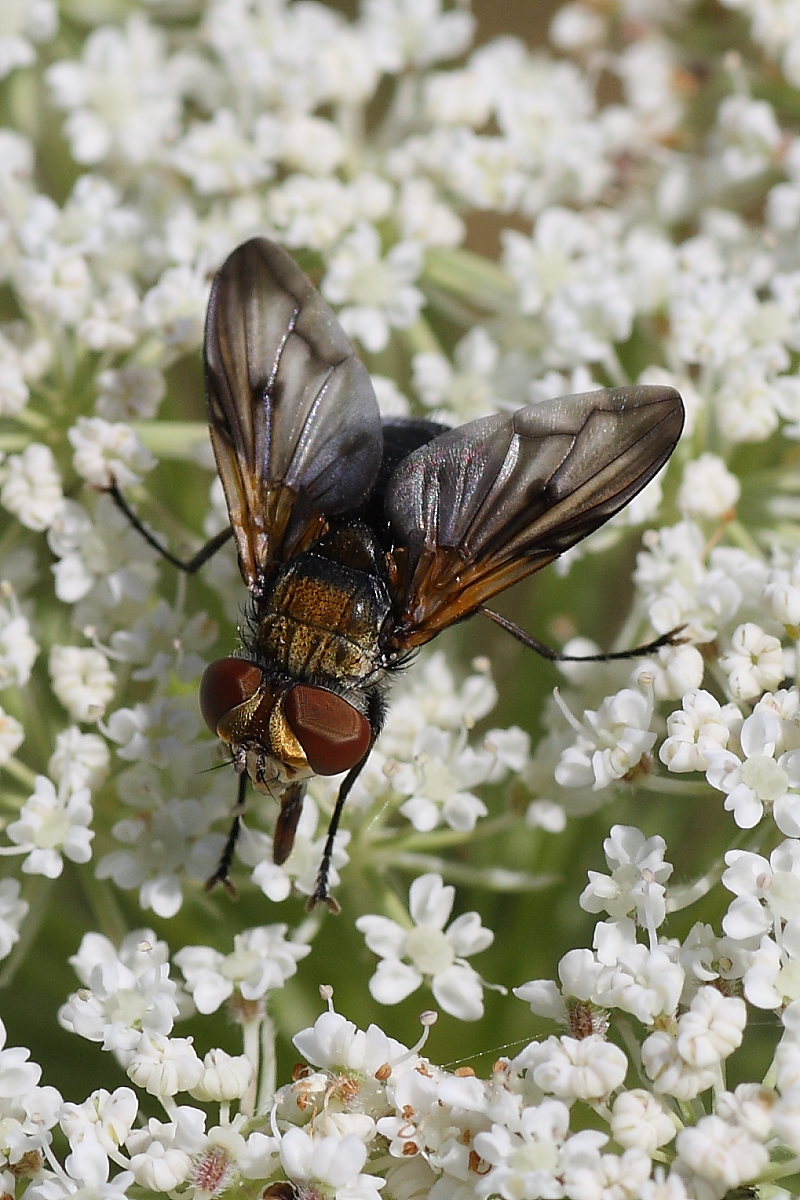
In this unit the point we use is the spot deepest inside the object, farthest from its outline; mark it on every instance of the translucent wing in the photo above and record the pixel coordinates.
(483, 505)
(293, 417)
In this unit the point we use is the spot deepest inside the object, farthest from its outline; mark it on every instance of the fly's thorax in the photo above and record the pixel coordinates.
(322, 619)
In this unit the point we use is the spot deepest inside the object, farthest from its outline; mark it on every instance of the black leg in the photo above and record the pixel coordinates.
(189, 565)
(223, 871)
(321, 893)
(673, 638)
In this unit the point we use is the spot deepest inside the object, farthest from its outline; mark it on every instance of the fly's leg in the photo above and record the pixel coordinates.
(223, 872)
(673, 638)
(189, 565)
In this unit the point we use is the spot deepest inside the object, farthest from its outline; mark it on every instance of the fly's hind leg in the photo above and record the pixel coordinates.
(189, 565)
(673, 638)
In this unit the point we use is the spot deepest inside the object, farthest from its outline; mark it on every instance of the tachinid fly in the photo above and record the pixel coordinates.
(360, 539)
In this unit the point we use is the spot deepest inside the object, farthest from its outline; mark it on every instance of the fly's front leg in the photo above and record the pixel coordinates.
(223, 872)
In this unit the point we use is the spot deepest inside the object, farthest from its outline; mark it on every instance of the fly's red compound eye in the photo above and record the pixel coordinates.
(334, 735)
(225, 685)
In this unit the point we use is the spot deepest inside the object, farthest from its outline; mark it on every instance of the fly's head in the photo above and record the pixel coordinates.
(281, 732)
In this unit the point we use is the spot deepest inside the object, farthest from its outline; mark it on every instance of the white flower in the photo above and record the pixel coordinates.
(17, 1075)
(335, 1163)
(708, 489)
(260, 1157)
(121, 97)
(711, 1029)
(639, 1119)
(30, 487)
(767, 892)
(721, 1152)
(706, 957)
(13, 912)
(216, 1166)
(639, 873)
(439, 779)
(106, 451)
(754, 662)
(786, 1118)
(124, 993)
(750, 137)
(579, 1068)
(354, 1071)
(782, 596)
(262, 959)
(711, 320)
(112, 319)
(759, 780)
(25, 22)
(670, 672)
(225, 1077)
(79, 759)
(132, 392)
(766, 984)
(430, 697)
(18, 650)
(702, 726)
(688, 1063)
(52, 825)
(58, 283)
(425, 218)
(156, 733)
(163, 847)
(105, 1117)
(86, 1170)
(174, 307)
(162, 1154)
(12, 735)
(574, 27)
(569, 272)
(751, 1106)
(163, 640)
(432, 952)
(671, 1075)
(465, 387)
(302, 142)
(335, 1043)
(354, 1068)
(377, 293)
(105, 558)
(598, 1175)
(646, 71)
(302, 866)
(787, 1054)
(82, 680)
(611, 741)
(24, 359)
(164, 1066)
(417, 34)
(642, 981)
(525, 1161)
(220, 156)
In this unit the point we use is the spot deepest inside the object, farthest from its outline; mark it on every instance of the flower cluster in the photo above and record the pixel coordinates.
(495, 223)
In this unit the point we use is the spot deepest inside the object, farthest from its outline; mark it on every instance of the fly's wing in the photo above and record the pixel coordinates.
(293, 417)
(483, 505)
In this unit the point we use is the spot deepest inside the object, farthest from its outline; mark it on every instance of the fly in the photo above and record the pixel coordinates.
(360, 539)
